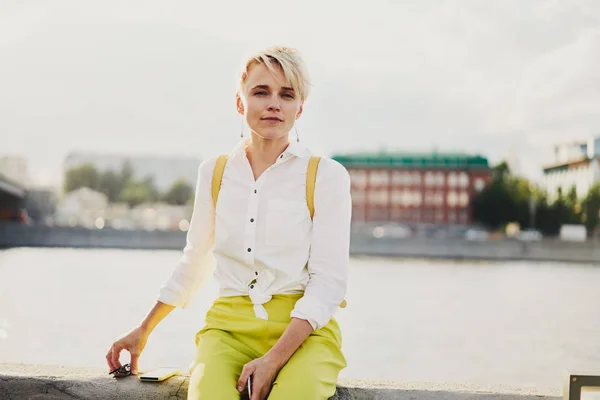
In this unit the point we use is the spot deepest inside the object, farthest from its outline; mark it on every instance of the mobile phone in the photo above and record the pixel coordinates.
(250, 386)
(159, 374)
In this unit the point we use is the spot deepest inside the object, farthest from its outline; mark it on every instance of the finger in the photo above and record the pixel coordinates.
(243, 380)
(114, 357)
(134, 363)
(258, 392)
(109, 359)
(111, 367)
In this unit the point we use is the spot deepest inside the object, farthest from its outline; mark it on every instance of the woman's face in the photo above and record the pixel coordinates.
(269, 103)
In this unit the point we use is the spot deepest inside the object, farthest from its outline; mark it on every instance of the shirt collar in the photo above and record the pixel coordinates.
(240, 148)
(294, 148)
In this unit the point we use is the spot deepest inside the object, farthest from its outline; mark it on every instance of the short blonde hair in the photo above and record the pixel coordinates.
(291, 63)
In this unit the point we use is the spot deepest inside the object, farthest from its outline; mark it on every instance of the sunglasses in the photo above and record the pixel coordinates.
(124, 370)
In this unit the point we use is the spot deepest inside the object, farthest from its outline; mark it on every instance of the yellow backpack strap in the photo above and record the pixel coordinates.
(218, 177)
(311, 179)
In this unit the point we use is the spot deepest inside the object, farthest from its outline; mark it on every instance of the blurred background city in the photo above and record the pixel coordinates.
(471, 132)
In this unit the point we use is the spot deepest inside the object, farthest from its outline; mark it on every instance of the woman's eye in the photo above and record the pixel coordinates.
(288, 95)
(262, 93)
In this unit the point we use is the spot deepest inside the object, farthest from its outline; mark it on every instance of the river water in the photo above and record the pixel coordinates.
(514, 323)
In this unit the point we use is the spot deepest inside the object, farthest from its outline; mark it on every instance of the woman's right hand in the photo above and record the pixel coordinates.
(134, 342)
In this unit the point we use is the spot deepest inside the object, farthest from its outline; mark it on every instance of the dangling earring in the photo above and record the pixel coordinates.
(297, 137)
(242, 129)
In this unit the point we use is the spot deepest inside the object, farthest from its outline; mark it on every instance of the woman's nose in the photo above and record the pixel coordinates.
(274, 104)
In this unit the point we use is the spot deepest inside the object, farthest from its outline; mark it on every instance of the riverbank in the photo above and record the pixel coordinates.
(22, 381)
(14, 235)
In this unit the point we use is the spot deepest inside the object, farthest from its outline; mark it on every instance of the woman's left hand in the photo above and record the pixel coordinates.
(263, 371)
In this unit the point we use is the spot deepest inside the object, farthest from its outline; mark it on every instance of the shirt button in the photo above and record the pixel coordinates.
(255, 191)
(251, 219)
(251, 286)
(249, 249)
(255, 272)
(281, 156)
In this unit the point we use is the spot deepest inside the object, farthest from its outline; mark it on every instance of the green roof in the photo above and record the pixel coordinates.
(412, 160)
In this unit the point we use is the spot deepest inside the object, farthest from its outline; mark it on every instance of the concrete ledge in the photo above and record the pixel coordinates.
(41, 382)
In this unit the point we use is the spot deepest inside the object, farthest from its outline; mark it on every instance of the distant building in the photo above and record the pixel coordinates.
(15, 168)
(81, 207)
(41, 204)
(433, 188)
(164, 170)
(576, 164)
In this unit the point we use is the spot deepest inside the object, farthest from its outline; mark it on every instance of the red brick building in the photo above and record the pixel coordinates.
(414, 188)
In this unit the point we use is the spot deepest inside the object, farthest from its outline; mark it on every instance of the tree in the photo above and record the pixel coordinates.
(521, 192)
(84, 175)
(179, 193)
(572, 196)
(574, 206)
(111, 185)
(494, 206)
(591, 208)
(135, 193)
(500, 171)
(510, 198)
(126, 174)
(560, 209)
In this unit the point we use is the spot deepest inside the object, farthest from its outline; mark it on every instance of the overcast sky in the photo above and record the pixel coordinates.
(499, 78)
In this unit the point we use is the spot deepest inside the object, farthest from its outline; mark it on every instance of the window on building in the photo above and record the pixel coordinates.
(378, 178)
(416, 198)
(396, 199)
(439, 198)
(439, 216)
(479, 184)
(452, 217)
(452, 179)
(416, 178)
(463, 179)
(427, 215)
(396, 214)
(378, 214)
(452, 198)
(429, 198)
(358, 196)
(440, 179)
(463, 199)
(429, 179)
(417, 215)
(406, 198)
(358, 214)
(358, 178)
(463, 217)
(378, 197)
(398, 178)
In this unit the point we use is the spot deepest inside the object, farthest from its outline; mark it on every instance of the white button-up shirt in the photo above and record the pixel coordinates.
(260, 239)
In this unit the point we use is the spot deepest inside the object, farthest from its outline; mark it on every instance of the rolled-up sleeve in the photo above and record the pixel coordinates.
(196, 264)
(330, 246)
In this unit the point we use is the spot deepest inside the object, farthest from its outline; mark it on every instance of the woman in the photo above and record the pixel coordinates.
(282, 274)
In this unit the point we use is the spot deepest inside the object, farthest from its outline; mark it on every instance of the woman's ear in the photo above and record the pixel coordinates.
(299, 113)
(239, 103)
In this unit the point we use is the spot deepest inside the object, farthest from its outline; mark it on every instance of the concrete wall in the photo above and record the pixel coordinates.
(14, 235)
(19, 381)
(506, 249)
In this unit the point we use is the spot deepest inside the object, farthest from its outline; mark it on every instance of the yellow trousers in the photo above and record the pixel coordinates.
(234, 336)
